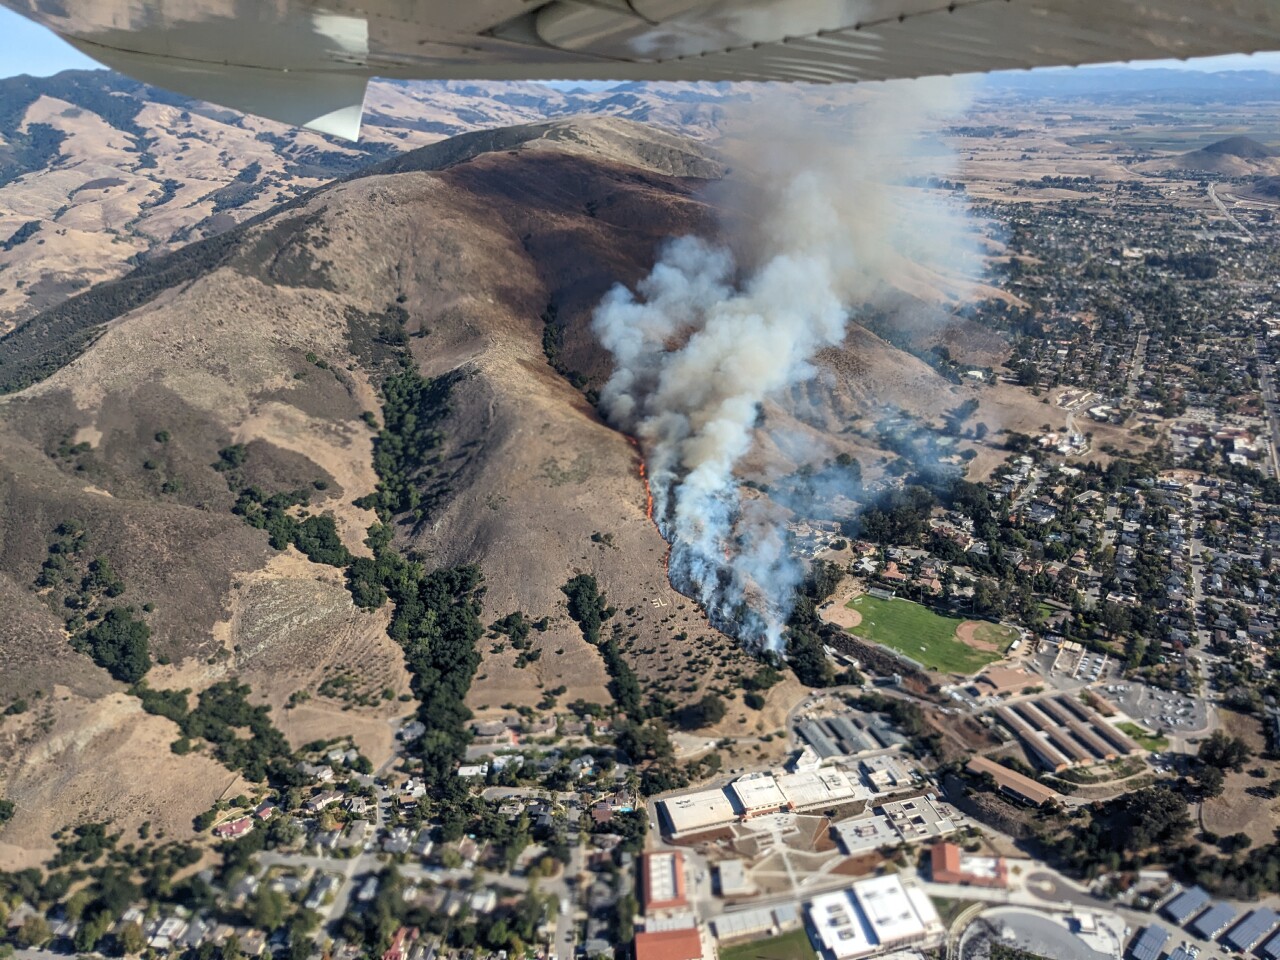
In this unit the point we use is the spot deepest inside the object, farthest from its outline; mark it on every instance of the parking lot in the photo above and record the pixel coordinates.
(1158, 710)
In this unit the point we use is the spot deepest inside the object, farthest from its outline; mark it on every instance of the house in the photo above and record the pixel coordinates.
(401, 944)
(321, 773)
(252, 943)
(413, 730)
(398, 841)
(233, 829)
(322, 800)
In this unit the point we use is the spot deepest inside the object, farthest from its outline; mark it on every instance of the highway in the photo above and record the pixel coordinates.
(1268, 398)
(1222, 208)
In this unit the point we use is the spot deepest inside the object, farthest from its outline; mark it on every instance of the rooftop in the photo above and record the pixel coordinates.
(757, 792)
(683, 944)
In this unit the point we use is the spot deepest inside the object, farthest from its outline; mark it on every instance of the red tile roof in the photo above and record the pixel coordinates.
(683, 944)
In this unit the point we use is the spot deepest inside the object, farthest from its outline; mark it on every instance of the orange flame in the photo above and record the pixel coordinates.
(648, 497)
(648, 494)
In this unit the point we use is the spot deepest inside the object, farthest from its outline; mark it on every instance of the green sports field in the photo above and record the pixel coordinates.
(789, 946)
(926, 637)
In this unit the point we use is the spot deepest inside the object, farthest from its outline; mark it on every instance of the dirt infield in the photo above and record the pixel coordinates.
(967, 633)
(841, 616)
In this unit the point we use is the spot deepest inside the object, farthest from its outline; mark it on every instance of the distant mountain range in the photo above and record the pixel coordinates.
(99, 172)
(1129, 85)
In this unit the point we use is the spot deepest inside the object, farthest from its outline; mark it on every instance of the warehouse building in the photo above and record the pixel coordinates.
(1249, 932)
(1270, 949)
(818, 738)
(1186, 905)
(849, 734)
(1213, 921)
(1149, 944)
(755, 924)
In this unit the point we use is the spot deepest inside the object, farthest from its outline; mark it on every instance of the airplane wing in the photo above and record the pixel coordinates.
(306, 62)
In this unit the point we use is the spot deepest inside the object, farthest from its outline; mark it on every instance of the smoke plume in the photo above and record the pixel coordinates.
(712, 333)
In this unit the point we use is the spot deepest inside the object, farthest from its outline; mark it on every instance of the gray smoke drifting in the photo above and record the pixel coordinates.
(708, 336)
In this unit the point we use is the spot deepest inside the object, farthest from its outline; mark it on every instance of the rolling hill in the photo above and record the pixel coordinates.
(99, 172)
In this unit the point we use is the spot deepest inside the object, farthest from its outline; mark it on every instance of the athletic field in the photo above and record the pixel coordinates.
(942, 644)
(789, 946)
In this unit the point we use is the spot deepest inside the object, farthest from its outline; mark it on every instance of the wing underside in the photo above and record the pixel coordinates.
(306, 62)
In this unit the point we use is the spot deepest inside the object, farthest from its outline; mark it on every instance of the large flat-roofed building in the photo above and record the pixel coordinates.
(885, 773)
(662, 883)
(874, 916)
(950, 864)
(692, 812)
(1186, 905)
(757, 794)
(865, 834)
(1213, 921)
(898, 915)
(840, 927)
(1249, 932)
(734, 881)
(921, 818)
(818, 789)
(1021, 788)
(1149, 944)
(684, 944)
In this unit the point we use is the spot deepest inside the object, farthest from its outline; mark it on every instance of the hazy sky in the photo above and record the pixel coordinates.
(27, 48)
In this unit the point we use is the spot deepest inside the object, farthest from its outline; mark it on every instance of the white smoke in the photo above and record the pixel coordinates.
(705, 339)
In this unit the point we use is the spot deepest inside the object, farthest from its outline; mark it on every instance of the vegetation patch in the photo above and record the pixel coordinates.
(115, 636)
(242, 735)
(405, 452)
(1149, 741)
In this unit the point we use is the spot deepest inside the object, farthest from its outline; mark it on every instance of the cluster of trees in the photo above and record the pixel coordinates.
(511, 928)
(403, 451)
(242, 735)
(1136, 828)
(805, 630)
(587, 606)
(898, 515)
(315, 536)
(437, 622)
(119, 643)
(589, 610)
(1218, 754)
(118, 640)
